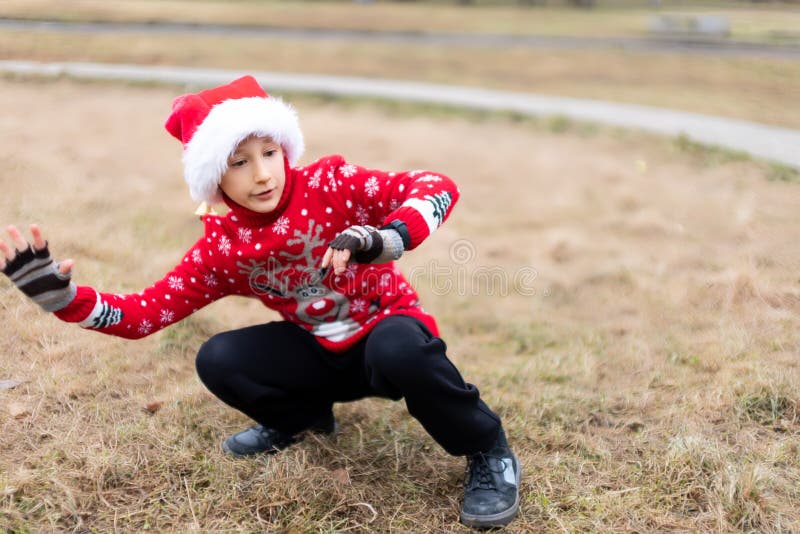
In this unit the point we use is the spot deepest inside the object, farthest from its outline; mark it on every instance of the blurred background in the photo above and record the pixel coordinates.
(734, 58)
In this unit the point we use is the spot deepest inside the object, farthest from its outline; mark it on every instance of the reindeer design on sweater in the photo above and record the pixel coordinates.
(296, 276)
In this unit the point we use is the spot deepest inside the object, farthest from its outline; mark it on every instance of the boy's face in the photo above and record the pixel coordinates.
(255, 177)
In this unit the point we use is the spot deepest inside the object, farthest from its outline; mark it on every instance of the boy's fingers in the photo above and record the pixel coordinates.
(38, 241)
(326, 259)
(337, 259)
(17, 238)
(6, 250)
(340, 261)
(65, 266)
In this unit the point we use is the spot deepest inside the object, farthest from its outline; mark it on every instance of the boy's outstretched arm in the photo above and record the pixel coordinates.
(188, 287)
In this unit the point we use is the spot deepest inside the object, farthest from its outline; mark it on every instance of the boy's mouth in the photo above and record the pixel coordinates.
(265, 195)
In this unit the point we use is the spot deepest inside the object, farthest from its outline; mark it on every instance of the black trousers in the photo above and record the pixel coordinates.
(280, 376)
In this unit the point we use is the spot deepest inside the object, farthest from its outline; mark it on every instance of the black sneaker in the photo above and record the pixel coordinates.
(257, 438)
(491, 493)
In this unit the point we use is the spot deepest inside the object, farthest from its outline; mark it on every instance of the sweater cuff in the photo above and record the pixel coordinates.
(392, 246)
(415, 223)
(80, 307)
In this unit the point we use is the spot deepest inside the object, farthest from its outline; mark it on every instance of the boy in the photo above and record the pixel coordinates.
(316, 244)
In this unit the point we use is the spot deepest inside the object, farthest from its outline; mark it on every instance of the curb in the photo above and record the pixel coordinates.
(772, 143)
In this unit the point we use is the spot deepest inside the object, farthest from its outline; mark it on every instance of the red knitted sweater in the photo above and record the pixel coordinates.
(276, 257)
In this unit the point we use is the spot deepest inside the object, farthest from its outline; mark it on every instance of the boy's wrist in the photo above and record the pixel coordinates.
(387, 246)
(392, 246)
(80, 307)
(402, 230)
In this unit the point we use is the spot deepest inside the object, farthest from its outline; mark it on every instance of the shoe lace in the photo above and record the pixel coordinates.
(481, 470)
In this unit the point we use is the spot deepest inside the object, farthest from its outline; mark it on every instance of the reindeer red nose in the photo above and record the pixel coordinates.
(320, 307)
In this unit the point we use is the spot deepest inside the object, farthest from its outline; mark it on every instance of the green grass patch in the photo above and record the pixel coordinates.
(710, 156)
(768, 406)
(777, 172)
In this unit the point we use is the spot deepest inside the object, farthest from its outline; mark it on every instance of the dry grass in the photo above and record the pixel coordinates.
(754, 89)
(762, 23)
(649, 383)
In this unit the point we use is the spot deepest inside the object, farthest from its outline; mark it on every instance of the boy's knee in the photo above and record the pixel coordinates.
(397, 350)
(211, 359)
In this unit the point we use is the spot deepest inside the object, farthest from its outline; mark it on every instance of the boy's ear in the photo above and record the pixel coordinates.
(205, 209)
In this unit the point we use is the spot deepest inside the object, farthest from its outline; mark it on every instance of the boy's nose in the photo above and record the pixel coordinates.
(261, 172)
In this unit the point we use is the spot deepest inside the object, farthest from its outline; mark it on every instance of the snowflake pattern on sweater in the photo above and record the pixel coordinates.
(276, 257)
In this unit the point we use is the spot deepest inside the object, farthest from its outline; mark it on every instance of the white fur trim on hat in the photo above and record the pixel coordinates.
(205, 158)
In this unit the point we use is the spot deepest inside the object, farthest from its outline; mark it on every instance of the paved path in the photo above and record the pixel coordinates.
(781, 145)
(641, 44)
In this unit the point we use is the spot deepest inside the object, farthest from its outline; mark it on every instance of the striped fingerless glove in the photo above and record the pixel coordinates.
(370, 245)
(36, 274)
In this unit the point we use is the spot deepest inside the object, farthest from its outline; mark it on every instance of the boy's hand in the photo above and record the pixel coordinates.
(362, 243)
(338, 259)
(33, 271)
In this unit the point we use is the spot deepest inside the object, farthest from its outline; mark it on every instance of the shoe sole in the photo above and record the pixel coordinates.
(327, 432)
(499, 519)
(227, 450)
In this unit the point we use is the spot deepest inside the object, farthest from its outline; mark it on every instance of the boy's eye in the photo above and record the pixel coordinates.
(269, 153)
(237, 163)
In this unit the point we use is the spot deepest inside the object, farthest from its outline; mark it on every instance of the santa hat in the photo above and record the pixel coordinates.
(212, 123)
